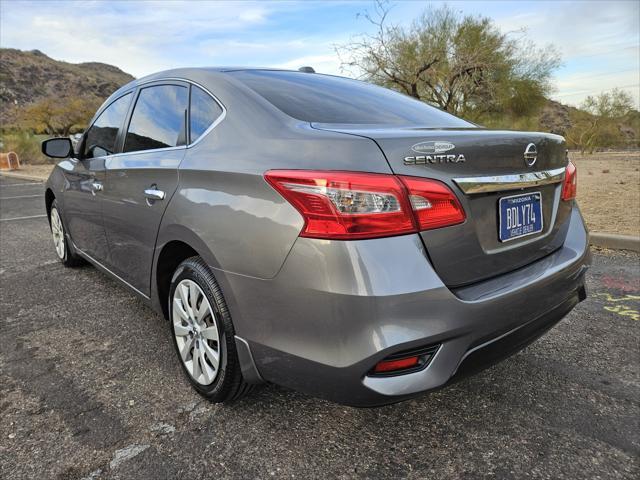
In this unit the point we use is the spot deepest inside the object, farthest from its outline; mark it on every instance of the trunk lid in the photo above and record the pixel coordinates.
(472, 251)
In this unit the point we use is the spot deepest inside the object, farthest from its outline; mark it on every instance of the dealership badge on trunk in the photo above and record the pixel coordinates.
(432, 147)
(432, 153)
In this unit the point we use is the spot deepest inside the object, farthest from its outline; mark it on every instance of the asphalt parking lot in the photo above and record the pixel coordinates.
(90, 388)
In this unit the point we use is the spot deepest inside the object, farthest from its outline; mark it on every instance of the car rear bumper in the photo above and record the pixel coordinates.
(337, 308)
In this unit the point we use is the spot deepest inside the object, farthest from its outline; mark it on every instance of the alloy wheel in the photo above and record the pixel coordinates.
(58, 233)
(196, 332)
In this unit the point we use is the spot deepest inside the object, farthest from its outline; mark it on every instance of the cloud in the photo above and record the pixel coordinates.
(139, 37)
(598, 40)
(254, 15)
(599, 43)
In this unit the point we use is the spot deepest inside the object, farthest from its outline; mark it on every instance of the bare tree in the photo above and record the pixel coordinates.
(462, 64)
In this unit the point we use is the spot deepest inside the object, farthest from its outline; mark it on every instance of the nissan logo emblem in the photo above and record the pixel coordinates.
(530, 154)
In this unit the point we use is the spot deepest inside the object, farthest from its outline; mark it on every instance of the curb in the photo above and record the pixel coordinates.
(22, 176)
(615, 242)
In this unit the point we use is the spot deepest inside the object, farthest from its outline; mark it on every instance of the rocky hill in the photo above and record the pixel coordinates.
(29, 76)
(556, 117)
(623, 132)
(26, 77)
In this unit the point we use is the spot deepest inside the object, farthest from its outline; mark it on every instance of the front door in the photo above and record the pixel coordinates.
(141, 180)
(85, 177)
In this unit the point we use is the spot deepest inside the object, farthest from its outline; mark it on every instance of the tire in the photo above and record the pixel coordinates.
(63, 249)
(198, 336)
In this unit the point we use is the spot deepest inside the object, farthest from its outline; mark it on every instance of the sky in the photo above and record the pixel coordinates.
(599, 41)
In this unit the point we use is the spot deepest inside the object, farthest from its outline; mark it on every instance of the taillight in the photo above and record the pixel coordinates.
(353, 205)
(433, 203)
(345, 205)
(570, 185)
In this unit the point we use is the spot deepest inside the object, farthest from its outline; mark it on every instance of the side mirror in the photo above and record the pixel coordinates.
(57, 148)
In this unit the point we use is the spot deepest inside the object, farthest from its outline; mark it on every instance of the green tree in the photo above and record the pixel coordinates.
(462, 64)
(596, 125)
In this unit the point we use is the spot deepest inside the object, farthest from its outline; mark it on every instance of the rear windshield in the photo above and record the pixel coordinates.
(326, 99)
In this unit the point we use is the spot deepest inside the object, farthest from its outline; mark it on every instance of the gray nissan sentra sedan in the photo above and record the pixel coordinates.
(319, 232)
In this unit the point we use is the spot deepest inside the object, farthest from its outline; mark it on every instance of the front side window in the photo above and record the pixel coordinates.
(101, 137)
(158, 119)
(204, 111)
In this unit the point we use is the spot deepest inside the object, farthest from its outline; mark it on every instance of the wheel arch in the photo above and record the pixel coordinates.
(176, 243)
(49, 197)
(170, 256)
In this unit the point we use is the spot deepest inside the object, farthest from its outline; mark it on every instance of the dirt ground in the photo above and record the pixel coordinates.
(608, 189)
(40, 171)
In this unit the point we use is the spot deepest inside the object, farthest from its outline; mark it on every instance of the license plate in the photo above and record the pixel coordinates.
(520, 215)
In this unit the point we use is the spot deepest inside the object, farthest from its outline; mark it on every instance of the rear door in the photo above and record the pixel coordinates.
(141, 180)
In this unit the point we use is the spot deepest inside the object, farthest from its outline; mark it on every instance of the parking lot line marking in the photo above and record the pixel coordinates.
(20, 196)
(19, 184)
(21, 218)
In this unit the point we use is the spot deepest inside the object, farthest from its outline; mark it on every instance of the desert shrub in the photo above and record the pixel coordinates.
(26, 145)
(58, 116)
(510, 122)
(598, 123)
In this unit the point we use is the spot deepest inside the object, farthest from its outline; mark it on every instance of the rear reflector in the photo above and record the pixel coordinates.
(354, 205)
(405, 362)
(570, 184)
(387, 366)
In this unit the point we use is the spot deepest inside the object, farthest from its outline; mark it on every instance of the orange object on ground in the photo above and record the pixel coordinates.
(9, 161)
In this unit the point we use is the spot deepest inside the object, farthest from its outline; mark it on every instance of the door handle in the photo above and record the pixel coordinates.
(153, 194)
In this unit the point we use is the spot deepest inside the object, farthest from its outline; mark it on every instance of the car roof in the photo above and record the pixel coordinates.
(188, 72)
(237, 68)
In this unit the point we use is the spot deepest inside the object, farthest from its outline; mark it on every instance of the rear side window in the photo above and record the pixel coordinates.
(158, 119)
(101, 136)
(204, 111)
(327, 99)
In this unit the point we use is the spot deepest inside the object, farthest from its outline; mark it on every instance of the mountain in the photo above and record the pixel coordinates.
(26, 77)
